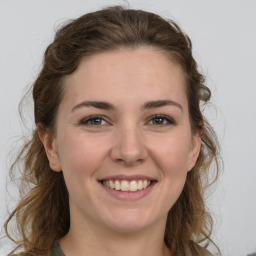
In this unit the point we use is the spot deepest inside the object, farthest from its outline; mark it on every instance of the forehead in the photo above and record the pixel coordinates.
(126, 74)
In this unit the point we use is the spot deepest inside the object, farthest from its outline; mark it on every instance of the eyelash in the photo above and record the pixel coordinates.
(92, 118)
(163, 118)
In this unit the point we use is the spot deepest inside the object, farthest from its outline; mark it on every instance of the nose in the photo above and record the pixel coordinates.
(128, 146)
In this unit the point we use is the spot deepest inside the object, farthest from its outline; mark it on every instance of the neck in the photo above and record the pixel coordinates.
(98, 241)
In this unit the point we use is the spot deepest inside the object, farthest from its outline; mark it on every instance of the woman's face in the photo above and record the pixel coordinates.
(123, 139)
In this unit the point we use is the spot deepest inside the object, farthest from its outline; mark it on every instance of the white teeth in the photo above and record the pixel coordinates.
(125, 185)
(145, 183)
(117, 185)
(133, 186)
(111, 184)
(140, 186)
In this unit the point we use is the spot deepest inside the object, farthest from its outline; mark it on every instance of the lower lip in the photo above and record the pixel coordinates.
(130, 196)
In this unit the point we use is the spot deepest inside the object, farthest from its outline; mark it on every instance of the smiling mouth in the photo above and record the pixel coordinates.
(127, 185)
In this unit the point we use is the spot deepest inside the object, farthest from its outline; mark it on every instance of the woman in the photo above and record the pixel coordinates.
(121, 150)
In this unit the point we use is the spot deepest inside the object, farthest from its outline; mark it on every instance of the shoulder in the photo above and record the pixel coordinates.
(56, 250)
(203, 252)
(197, 250)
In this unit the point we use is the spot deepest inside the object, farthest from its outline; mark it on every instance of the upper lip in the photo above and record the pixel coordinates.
(128, 177)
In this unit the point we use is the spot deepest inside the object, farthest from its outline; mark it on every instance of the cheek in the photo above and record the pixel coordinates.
(174, 156)
(80, 155)
(172, 153)
(80, 159)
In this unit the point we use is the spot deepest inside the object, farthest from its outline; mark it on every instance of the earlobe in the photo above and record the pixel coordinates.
(195, 150)
(50, 147)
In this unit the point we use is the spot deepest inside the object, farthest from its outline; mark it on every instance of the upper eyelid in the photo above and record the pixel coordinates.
(91, 117)
(162, 116)
(88, 118)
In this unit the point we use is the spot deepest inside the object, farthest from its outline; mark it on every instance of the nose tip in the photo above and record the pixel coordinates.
(129, 147)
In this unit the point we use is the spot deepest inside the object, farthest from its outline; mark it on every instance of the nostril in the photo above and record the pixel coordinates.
(128, 149)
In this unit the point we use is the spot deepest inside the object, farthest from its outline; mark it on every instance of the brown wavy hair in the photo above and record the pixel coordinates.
(42, 214)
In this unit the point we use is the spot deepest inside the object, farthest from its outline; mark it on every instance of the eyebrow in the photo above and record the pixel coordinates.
(108, 106)
(161, 103)
(95, 104)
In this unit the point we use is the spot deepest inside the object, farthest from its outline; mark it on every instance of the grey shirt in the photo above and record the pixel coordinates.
(56, 251)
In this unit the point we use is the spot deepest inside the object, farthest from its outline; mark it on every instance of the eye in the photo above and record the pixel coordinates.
(158, 120)
(94, 121)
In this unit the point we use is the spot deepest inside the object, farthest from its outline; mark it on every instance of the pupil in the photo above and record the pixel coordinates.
(158, 120)
(96, 121)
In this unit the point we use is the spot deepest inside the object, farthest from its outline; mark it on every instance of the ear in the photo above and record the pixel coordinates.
(195, 149)
(50, 147)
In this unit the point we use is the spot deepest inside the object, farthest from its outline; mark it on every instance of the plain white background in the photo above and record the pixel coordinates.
(224, 41)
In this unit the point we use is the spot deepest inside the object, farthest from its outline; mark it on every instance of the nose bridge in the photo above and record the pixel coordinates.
(129, 144)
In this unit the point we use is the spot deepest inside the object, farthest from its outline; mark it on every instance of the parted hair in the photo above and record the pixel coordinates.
(42, 214)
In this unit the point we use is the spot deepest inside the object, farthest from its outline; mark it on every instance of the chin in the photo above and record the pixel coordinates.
(130, 221)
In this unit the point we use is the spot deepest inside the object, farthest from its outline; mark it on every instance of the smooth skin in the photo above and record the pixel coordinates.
(140, 127)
